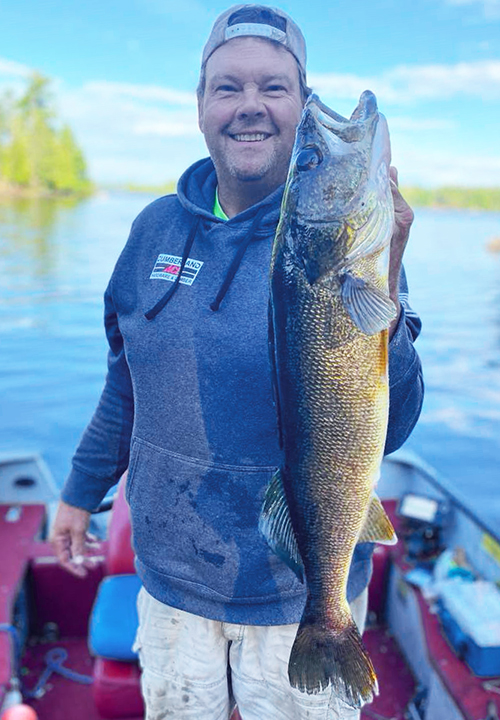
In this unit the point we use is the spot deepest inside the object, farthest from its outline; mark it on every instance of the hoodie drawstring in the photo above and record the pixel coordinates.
(151, 314)
(237, 260)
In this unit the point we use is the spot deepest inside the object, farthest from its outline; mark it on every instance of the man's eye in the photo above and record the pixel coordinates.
(226, 88)
(275, 88)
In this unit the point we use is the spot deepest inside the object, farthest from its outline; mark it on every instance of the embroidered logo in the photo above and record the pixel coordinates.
(167, 267)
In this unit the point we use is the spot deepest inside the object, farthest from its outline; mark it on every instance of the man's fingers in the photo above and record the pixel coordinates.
(92, 541)
(403, 214)
(68, 554)
(67, 561)
(69, 538)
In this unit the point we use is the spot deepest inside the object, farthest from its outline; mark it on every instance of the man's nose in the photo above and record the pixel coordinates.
(252, 104)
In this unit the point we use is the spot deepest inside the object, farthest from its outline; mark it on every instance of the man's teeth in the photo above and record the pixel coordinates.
(250, 137)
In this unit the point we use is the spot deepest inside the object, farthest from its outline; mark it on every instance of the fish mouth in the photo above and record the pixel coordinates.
(251, 137)
(349, 130)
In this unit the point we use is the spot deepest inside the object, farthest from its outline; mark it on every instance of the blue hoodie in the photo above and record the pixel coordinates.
(188, 407)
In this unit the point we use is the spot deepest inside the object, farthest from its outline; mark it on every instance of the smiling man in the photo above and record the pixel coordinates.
(188, 403)
(249, 108)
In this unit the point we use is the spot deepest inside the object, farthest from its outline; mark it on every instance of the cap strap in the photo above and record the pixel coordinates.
(267, 31)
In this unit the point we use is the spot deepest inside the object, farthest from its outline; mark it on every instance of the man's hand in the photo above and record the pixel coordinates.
(69, 538)
(403, 218)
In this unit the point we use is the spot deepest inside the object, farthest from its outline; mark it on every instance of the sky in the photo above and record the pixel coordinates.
(124, 77)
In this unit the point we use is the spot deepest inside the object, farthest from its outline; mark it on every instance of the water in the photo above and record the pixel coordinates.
(55, 261)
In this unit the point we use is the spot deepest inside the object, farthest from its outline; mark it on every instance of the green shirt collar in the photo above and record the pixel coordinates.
(218, 211)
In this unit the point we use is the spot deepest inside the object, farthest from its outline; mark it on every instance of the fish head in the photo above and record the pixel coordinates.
(337, 183)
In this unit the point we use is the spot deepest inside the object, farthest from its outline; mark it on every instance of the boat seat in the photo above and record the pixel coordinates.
(120, 555)
(113, 622)
(116, 689)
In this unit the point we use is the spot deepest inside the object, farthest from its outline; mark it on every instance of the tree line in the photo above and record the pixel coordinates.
(486, 198)
(37, 152)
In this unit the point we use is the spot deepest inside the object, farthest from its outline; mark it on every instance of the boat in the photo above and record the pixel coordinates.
(66, 643)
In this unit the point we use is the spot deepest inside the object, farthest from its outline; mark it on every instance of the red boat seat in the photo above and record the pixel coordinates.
(116, 687)
(120, 555)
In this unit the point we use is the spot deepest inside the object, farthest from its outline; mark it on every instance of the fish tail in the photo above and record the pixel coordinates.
(322, 656)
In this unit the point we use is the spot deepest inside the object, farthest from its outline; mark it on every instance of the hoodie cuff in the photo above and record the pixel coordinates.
(84, 491)
(402, 354)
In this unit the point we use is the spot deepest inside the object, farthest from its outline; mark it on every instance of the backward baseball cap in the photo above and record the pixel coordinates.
(258, 21)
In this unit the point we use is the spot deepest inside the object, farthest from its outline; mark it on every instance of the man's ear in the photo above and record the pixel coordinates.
(200, 113)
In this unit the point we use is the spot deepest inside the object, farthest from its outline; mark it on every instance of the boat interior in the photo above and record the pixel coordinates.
(66, 643)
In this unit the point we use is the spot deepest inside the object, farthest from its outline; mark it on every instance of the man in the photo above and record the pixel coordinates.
(188, 407)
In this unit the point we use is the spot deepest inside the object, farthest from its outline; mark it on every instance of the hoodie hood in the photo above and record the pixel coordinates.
(196, 193)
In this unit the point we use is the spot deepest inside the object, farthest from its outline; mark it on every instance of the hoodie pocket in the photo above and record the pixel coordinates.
(135, 449)
(198, 522)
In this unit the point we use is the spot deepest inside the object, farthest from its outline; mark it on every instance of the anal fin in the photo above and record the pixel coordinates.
(377, 528)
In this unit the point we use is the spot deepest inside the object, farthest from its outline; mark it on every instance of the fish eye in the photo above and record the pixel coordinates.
(309, 158)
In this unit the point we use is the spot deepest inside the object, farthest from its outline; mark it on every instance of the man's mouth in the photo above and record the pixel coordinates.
(250, 137)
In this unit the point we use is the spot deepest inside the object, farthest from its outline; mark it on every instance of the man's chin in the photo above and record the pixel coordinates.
(251, 174)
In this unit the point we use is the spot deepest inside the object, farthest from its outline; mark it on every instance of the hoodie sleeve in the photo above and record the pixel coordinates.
(406, 383)
(103, 453)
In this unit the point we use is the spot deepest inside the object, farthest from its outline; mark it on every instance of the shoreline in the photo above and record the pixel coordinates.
(445, 198)
(14, 192)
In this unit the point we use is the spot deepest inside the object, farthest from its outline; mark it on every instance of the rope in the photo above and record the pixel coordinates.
(54, 660)
(15, 642)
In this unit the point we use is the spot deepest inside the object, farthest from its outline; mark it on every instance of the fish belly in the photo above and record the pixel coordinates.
(333, 398)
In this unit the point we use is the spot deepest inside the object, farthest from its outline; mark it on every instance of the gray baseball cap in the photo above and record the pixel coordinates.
(258, 21)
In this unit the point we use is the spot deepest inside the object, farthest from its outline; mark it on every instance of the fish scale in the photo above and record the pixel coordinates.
(329, 314)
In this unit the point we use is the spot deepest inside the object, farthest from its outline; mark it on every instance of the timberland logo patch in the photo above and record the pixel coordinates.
(167, 267)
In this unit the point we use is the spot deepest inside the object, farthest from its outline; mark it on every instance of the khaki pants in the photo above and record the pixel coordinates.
(185, 661)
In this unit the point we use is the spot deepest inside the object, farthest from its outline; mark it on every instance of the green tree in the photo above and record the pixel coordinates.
(34, 152)
(70, 167)
(16, 166)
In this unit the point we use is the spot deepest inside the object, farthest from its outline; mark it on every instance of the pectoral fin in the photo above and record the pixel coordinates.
(370, 309)
(276, 526)
(377, 528)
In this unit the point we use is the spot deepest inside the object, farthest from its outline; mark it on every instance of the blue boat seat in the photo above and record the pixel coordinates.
(114, 621)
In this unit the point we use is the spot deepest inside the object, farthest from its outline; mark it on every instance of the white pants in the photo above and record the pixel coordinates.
(186, 661)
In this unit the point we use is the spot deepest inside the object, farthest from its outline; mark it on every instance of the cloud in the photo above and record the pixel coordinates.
(423, 166)
(10, 68)
(151, 93)
(141, 133)
(407, 83)
(130, 110)
(170, 127)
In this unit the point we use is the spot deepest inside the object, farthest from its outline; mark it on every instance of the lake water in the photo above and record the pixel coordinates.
(55, 261)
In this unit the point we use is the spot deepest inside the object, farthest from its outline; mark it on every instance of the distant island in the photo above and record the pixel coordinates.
(38, 154)
(444, 197)
(165, 188)
(454, 197)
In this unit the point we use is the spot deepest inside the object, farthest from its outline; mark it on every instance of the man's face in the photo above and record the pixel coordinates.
(250, 110)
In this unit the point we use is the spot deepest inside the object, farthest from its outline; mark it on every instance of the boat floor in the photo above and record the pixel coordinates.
(64, 698)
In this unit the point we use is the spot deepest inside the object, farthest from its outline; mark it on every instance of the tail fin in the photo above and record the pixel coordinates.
(321, 657)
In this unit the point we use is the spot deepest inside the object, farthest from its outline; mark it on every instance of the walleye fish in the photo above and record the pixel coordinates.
(329, 316)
